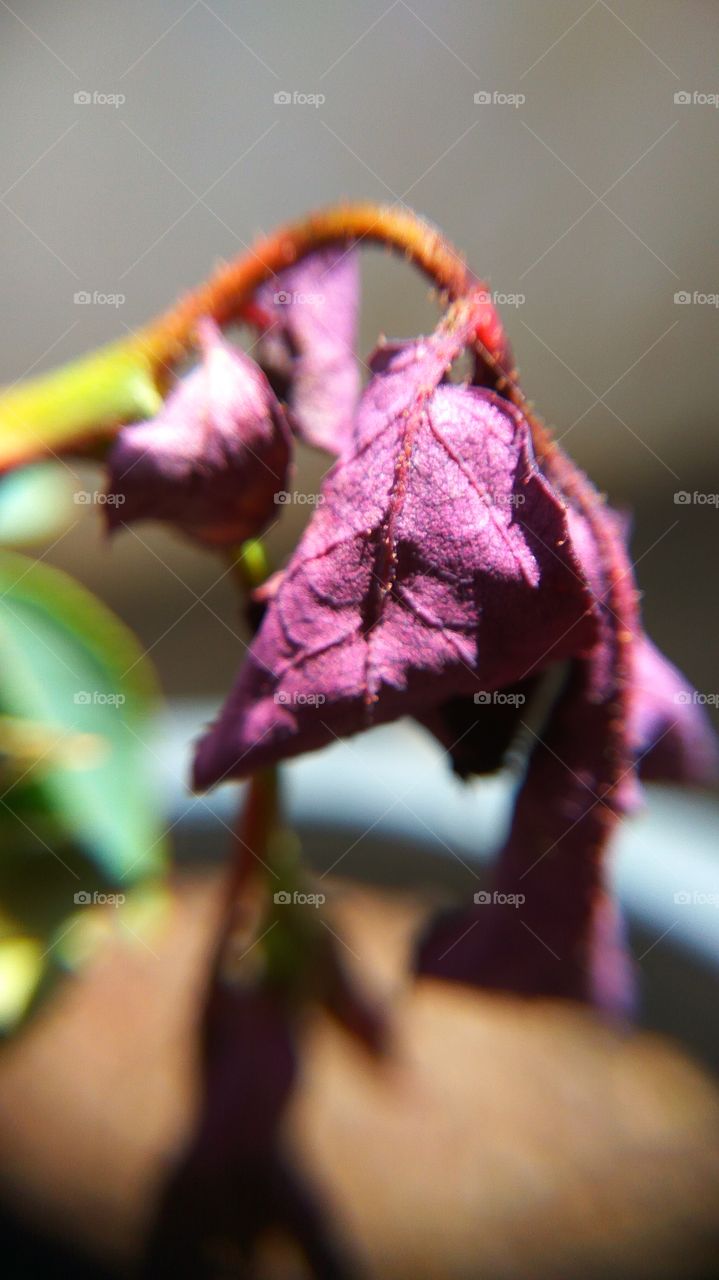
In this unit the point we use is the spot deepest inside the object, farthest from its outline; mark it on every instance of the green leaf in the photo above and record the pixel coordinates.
(36, 504)
(79, 816)
(75, 694)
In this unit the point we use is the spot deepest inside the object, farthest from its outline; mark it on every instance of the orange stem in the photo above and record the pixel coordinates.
(85, 402)
(226, 295)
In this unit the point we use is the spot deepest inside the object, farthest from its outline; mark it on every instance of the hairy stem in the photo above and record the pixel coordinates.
(86, 401)
(227, 294)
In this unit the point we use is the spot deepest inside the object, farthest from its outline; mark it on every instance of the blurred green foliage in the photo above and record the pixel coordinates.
(79, 814)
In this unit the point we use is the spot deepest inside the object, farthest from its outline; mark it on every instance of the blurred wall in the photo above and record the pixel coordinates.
(594, 199)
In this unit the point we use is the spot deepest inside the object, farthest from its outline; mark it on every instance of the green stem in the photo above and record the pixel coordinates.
(73, 405)
(250, 564)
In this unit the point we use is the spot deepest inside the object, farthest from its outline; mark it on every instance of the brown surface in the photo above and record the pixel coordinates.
(500, 1140)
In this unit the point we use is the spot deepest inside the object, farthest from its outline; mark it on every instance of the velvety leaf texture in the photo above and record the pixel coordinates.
(438, 564)
(214, 458)
(668, 728)
(308, 350)
(668, 732)
(545, 927)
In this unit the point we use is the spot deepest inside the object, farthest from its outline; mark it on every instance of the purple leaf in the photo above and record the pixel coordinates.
(438, 565)
(668, 731)
(214, 458)
(546, 927)
(308, 351)
(668, 728)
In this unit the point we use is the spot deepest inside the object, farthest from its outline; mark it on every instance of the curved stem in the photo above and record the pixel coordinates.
(91, 398)
(226, 294)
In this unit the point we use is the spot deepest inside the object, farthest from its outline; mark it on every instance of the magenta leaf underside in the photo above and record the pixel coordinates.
(547, 925)
(308, 348)
(437, 565)
(442, 575)
(214, 458)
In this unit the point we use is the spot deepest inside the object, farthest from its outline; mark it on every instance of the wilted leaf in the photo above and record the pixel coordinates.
(214, 458)
(438, 564)
(308, 350)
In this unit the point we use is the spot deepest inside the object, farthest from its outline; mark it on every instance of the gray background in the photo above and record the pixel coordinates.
(596, 199)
